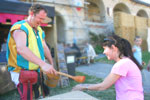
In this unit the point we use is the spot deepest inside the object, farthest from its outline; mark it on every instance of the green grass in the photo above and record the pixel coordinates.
(145, 57)
(108, 94)
(13, 95)
(103, 95)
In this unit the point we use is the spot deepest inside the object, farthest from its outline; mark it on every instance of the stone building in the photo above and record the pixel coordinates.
(74, 19)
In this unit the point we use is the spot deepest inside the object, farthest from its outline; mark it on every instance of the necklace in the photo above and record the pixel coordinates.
(33, 28)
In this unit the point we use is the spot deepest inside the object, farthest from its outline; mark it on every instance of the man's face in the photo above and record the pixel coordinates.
(39, 18)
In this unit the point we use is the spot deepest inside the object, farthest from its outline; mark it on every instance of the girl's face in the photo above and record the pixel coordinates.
(111, 52)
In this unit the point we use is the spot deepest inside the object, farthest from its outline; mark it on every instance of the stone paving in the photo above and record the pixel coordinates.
(146, 81)
(73, 95)
(99, 70)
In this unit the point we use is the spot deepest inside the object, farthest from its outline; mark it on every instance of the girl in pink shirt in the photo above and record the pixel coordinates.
(125, 73)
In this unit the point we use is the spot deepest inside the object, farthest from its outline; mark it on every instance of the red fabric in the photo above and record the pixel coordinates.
(78, 8)
(31, 92)
(23, 95)
(25, 90)
(43, 24)
(13, 17)
(28, 76)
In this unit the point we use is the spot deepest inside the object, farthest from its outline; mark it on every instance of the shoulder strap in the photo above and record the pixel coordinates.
(23, 95)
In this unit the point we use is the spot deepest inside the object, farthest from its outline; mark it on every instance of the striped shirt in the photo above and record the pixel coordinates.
(34, 42)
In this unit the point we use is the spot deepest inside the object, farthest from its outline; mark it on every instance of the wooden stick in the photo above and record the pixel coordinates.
(79, 79)
(64, 74)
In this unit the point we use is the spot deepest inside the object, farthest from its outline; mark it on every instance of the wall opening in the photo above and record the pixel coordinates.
(142, 13)
(121, 8)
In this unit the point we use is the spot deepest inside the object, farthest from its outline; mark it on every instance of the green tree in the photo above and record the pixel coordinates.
(97, 41)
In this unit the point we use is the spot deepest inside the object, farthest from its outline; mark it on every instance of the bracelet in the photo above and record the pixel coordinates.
(86, 87)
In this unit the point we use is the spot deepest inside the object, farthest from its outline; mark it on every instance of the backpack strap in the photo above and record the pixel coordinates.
(31, 93)
(23, 95)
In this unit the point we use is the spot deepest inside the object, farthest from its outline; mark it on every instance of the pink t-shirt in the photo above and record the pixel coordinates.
(129, 85)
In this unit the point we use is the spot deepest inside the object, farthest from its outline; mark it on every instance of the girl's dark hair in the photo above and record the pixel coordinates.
(123, 45)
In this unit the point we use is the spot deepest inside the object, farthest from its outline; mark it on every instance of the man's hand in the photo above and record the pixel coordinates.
(148, 67)
(143, 63)
(48, 69)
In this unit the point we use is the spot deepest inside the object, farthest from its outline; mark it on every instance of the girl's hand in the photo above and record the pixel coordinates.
(80, 87)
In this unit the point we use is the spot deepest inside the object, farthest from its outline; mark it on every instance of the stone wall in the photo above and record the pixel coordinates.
(74, 19)
(5, 80)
